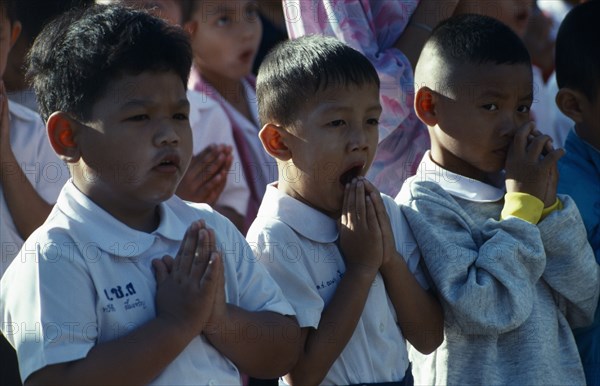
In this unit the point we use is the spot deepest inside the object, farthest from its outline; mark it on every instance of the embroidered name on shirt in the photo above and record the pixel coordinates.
(117, 292)
(330, 282)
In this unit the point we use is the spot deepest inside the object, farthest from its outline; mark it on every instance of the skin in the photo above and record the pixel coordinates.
(336, 130)
(151, 111)
(498, 134)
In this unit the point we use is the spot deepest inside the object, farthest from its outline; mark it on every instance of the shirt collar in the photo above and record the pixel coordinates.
(457, 185)
(98, 228)
(307, 221)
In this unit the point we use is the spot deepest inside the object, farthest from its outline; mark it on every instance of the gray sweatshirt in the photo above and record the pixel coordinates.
(511, 290)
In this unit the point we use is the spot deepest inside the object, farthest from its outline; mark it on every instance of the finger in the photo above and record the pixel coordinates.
(188, 255)
(351, 208)
(160, 271)
(169, 262)
(552, 158)
(537, 145)
(521, 138)
(371, 217)
(344, 216)
(361, 209)
(214, 270)
(186, 245)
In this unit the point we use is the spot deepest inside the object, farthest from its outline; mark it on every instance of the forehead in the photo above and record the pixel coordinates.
(476, 79)
(152, 87)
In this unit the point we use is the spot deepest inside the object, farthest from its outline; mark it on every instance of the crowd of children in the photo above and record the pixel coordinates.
(169, 218)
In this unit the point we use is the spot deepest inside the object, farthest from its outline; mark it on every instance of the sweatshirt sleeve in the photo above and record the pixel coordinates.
(485, 273)
(571, 268)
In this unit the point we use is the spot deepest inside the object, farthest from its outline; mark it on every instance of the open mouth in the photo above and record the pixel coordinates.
(350, 174)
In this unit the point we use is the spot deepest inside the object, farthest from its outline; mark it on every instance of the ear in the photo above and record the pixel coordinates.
(570, 102)
(273, 140)
(425, 106)
(15, 32)
(62, 131)
(190, 27)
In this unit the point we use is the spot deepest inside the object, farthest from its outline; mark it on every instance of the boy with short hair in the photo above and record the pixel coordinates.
(508, 257)
(579, 99)
(354, 293)
(81, 303)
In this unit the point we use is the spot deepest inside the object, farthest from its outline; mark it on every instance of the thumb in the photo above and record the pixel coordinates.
(161, 271)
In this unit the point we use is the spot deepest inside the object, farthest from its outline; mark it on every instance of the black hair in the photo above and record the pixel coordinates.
(478, 39)
(78, 54)
(34, 14)
(295, 70)
(9, 8)
(577, 50)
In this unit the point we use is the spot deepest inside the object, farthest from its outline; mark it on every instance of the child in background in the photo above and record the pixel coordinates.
(352, 287)
(579, 99)
(508, 257)
(31, 175)
(225, 36)
(113, 92)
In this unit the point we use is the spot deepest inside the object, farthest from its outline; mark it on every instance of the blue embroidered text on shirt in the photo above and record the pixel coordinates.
(118, 293)
(136, 304)
(330, 282)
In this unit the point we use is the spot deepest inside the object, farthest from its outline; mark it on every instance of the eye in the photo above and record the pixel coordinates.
(180, 117)
(337, 123)
(524, 109)
(138, 118)
(490, 107)
(223, 21)
(252, 11)
(373, 121)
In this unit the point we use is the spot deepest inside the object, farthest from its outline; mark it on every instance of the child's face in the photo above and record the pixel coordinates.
(226, 38)
(138, 143)
(334, 140)
(589, 127)
(513, 13)
(478, 117)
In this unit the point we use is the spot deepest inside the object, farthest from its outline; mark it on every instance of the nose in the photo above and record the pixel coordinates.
(358, 139)
(166, 135)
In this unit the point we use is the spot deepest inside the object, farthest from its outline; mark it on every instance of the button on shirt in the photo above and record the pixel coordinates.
(297, 244)
(84, 278)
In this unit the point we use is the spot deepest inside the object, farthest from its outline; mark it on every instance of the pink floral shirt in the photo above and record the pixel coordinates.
(372, 27)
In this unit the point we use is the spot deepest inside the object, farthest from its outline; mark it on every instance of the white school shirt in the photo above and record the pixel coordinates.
(297, 245)
(84, 278)
(210, 124)
(42, 167)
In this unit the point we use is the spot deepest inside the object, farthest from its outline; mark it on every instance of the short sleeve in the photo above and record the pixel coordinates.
(48, 307)
(279, 250)
(248, 284)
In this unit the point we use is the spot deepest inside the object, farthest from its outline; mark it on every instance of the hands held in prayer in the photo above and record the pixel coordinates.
(191, 287)
(206, 176)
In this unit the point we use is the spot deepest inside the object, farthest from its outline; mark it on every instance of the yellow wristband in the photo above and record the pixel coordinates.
(522, 205)
(556, 206)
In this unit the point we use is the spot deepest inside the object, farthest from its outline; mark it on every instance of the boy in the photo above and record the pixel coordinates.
(354, 294)
(81, 303)
(508, 258)
(579, 99)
